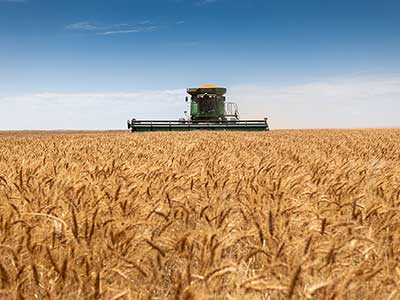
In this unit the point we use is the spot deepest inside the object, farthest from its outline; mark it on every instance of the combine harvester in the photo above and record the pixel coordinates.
(208, 111)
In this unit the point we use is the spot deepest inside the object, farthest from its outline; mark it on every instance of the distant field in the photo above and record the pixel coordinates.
(312, 214)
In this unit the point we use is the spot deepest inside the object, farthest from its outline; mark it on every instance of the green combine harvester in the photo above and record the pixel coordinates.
(208, 111)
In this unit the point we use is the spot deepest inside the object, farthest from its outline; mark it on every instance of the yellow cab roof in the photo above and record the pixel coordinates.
(207, 86)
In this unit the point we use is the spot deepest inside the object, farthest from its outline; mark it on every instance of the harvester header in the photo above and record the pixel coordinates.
(209, 110)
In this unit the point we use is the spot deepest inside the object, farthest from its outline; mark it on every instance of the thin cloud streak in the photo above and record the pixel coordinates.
(135, 30)
(142, 26)
(14, 1)
(205, 2)
(88, 26)
(83, 26)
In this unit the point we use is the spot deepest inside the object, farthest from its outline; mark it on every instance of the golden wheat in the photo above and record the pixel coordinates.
(312, 214)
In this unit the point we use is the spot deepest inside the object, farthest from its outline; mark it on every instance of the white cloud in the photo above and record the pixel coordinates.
(340, 103)
(88, 110)
(347, 102)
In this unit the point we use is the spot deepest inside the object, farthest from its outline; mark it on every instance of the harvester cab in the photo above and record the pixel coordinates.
(208, 111)
(208, 103)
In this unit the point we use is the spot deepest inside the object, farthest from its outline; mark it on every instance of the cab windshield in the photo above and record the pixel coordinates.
(207, 103)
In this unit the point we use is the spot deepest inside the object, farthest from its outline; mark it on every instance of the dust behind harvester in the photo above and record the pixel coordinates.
(209, 110)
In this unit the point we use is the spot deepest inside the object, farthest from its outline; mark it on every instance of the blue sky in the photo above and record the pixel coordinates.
(67, 64)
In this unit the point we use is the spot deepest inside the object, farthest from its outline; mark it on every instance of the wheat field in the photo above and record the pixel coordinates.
(306, 214)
